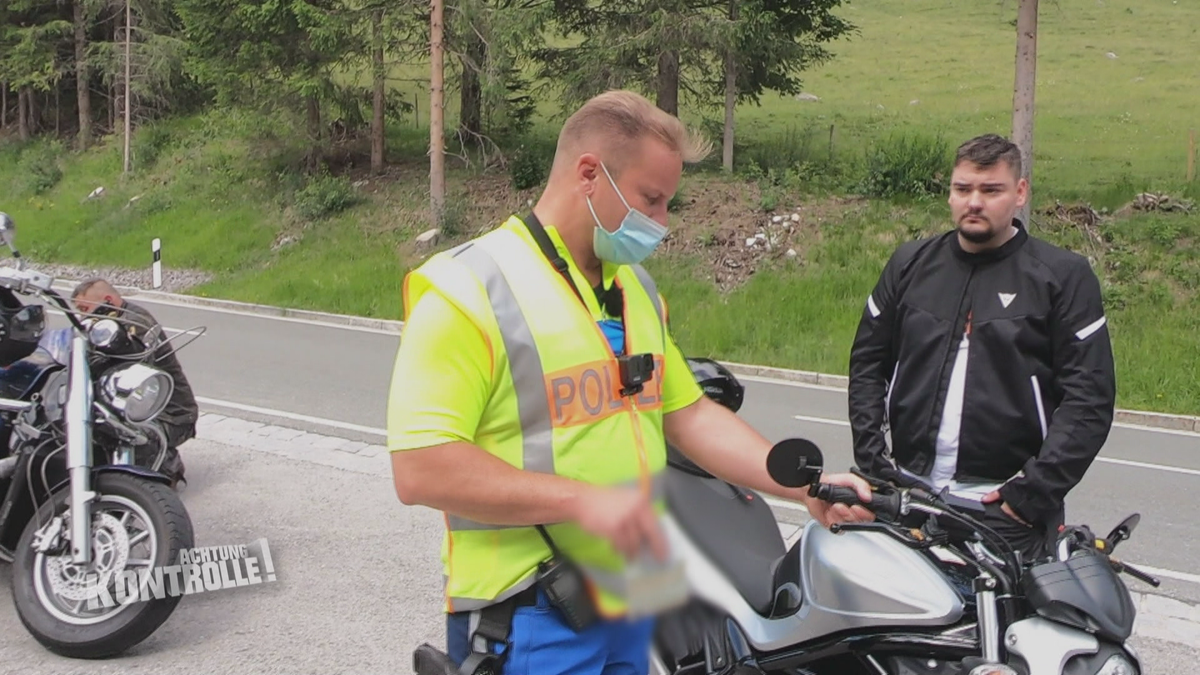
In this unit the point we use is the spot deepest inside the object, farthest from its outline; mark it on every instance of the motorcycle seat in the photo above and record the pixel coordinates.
(739, 536)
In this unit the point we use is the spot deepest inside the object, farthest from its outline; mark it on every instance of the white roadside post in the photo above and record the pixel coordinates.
(156, 247)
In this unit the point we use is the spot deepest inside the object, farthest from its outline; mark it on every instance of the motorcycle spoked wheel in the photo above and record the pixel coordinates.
(133, 521)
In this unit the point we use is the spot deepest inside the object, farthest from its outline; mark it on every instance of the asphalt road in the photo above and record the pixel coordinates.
(358, 574)
(323, 374)
(358, 580)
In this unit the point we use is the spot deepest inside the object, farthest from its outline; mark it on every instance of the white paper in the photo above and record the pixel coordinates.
(652, 587)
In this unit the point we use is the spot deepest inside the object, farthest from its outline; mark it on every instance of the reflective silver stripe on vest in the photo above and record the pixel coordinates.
(526, 367)
(524, 362)
(471, 604)
(657, 491)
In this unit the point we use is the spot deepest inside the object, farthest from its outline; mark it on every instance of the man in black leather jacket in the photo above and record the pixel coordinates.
(179, 418)
(986, 354)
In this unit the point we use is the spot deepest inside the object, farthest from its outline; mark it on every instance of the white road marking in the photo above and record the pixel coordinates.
(168, 329)
(1107, 460)
(259, 315)
(775, 502)
(1156, 430)
(784, 504)
(293, 416)
(1144, 465)
(803, 385)
(821, 420)
(1169, 574)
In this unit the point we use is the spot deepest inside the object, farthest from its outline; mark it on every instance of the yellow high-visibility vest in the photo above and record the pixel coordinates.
(557, 380)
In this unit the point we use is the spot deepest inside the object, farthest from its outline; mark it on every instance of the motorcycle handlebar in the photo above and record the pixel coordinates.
(886, 506)
(66, 308)
(28, 282)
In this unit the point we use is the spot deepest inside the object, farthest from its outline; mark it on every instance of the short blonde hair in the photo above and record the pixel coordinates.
(621, 118)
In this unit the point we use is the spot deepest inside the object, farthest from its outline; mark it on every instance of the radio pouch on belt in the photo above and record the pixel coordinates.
(565, 587)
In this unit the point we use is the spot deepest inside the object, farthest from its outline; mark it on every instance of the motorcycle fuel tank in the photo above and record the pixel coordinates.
(868, 580)
(848, 581)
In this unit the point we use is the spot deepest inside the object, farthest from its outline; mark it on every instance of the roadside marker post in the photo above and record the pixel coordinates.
(156, 247)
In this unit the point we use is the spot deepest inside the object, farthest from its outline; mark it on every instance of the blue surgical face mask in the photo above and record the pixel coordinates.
(634, 240)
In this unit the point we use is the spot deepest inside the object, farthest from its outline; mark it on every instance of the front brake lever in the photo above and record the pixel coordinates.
(917, 541)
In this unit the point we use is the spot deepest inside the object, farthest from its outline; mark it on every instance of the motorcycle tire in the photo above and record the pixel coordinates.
(133, 624)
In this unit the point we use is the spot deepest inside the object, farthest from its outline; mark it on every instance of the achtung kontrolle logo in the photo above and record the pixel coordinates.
(199, 570)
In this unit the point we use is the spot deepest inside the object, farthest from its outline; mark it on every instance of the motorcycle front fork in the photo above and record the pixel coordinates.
(989, 620)
(79, 451)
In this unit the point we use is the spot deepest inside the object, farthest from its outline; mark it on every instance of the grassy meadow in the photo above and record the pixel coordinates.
(1117, 96)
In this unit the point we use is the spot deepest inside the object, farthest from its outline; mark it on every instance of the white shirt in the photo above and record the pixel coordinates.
(946, 461)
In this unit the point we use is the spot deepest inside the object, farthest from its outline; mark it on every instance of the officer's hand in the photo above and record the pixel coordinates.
(827, 514)
(625, 518)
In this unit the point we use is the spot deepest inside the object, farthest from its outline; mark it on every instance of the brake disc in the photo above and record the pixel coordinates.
(110, 552)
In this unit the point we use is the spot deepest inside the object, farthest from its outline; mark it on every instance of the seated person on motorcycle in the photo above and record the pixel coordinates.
(178, 420)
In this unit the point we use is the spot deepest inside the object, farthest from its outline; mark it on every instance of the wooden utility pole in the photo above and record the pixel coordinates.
(1023, 92)
(437, 157)
(128, 70)
(378, 130)
(83, 93)
(730, 94)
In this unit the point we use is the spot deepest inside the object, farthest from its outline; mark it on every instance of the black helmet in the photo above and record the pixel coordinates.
(717, 382)
(21, 327)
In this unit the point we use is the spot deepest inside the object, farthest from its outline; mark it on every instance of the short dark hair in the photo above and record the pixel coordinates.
(988, 150)
(85, 286)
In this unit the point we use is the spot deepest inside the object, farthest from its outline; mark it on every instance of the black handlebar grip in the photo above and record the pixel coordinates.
(887, 506)
(838, 494)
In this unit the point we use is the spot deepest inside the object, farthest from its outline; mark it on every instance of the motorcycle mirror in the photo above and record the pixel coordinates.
(1123, 530)
(795, 462)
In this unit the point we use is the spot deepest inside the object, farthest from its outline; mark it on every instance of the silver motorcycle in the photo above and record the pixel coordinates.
(926, 588)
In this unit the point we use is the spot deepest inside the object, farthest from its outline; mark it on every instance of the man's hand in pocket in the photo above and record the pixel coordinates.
(993, 496)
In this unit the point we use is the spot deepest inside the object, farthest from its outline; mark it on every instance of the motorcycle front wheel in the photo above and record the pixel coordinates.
(138, 526)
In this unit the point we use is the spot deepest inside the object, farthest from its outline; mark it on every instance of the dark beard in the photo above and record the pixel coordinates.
(977, 237)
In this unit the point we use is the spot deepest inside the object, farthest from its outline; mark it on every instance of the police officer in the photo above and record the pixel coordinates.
(534, 390)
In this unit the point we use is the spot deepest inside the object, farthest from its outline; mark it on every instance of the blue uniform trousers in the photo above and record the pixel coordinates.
(541, 643)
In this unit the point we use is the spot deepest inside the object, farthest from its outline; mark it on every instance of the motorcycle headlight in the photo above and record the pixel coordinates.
(103, 332)
(137, 391)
